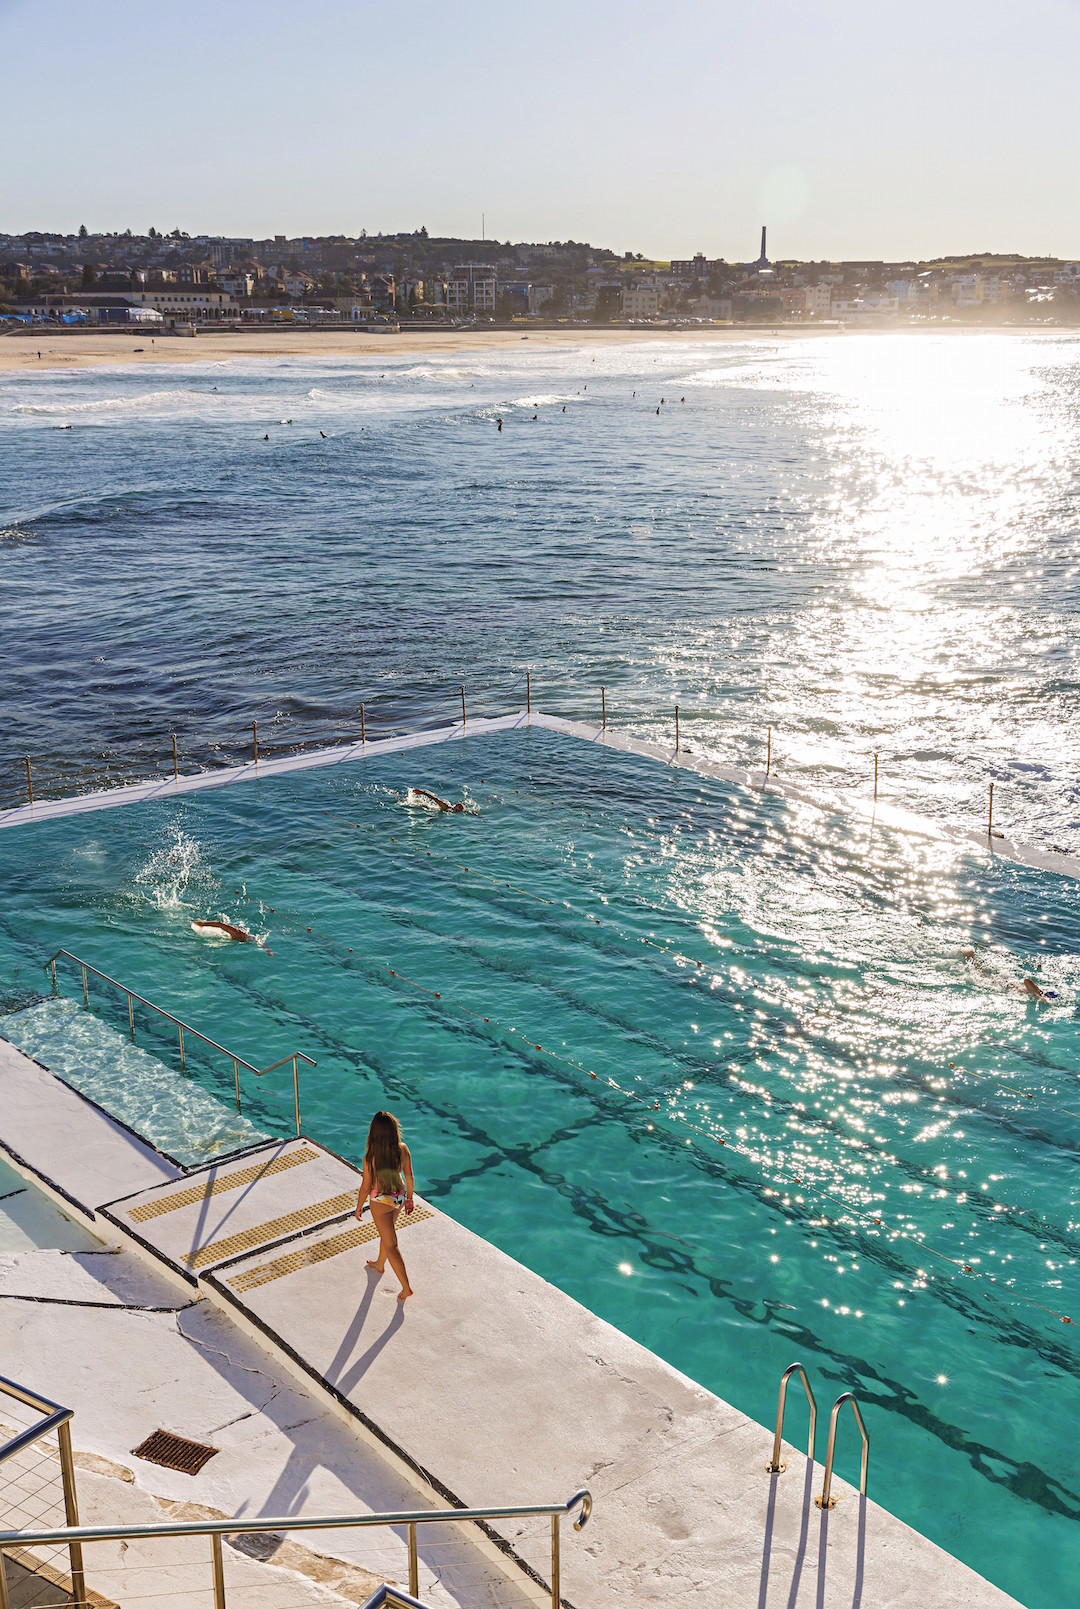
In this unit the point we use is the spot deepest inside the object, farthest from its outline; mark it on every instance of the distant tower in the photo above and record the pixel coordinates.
(763, 261)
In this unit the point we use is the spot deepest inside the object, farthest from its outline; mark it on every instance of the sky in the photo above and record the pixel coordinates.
(853, 130)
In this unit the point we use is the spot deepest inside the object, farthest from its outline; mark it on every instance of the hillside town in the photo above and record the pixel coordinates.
(178, 282)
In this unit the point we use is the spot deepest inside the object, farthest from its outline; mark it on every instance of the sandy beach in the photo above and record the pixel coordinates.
(101, 348)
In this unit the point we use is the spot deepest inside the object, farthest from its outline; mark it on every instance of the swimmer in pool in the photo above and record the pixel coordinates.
(226, 930)
(440, 804)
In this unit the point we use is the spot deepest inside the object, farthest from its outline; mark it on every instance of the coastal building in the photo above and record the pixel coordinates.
(471, 288)
(640, 301)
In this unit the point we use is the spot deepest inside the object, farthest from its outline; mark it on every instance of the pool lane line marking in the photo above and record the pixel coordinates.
(715, 965)
(765, 1095)
(867, 1214)
(556, 904)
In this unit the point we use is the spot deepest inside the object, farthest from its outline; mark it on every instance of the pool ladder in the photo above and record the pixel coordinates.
(775, 1467)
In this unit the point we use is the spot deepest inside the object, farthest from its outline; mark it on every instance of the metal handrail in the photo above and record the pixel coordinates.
(58, 1419)
(182, 1028)
(76, 1535)
(825, 1500)
(775, 1467)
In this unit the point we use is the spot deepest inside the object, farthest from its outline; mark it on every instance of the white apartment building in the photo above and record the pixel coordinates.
(540, 296)
(640, 301)
(817, 301)
(471, 288)
(875, 305)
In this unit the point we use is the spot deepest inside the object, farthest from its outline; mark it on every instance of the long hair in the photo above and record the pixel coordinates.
(384, 1148)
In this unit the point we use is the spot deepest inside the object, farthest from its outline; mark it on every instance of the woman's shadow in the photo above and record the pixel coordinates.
(356, 1370)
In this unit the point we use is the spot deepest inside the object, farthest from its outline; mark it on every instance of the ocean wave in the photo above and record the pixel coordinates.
(148, 399)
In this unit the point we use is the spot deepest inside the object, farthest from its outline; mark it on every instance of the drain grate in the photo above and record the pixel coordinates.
(174, 1452)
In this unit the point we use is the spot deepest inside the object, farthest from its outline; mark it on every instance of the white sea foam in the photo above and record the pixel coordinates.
(175, 871)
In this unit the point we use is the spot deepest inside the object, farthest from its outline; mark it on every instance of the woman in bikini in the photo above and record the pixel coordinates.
(388, 1184)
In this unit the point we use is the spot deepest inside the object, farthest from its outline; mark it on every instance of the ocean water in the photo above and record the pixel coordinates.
(711, 1062)
(867, 543)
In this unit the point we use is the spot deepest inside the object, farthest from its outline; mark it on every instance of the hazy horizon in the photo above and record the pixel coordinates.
(851, 136)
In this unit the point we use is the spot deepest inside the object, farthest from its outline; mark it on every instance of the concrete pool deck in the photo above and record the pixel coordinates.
(873, 813)
(493, 1387)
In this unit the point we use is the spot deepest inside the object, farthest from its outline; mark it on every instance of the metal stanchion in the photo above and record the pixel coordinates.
(603, 710)
(175, 764)
(768, 755)
(528, 693)
(363, 730)
(676, 729)
(255, 739)
(463, 706)
(29, 780)
(875, 779)
(990, 817)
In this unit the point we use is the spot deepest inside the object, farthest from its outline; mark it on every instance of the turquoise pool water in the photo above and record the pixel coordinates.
(731, 969)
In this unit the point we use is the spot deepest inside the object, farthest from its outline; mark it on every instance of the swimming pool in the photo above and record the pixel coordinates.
(731, 969)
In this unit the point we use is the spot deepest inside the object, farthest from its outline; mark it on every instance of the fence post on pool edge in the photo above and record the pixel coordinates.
(676, 729)
(175, 764)
(990, 817)
(255, 739)
(768, 755)
(603, 710)
(528, 693)
(875, 779)
(463, 706)
(29, 780)
(363, 731)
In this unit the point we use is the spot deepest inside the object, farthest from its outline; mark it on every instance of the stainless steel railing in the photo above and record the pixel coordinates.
(826, 1500)
(74, 1536)
(58, 1419)
(181, 1027)
(775, 1467)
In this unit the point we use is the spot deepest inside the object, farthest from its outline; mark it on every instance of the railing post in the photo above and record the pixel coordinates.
(180, 1030)
(5, 1601)
(52, 969)
(676, 729)
(85, 995)
(414, 1565)
(236, 1079)
(826, 1500)
(255, 739)
(875, 779)
(296, 1095)
(556, 1564)
(175, 763)
(774, 1466)
(603, 710)
(29, 780)
(131, 1017)
(219, 1571)
(768, 755)
(363, 732)
(528, 693)
(989, 819)
(463, 706)
(71, 1514)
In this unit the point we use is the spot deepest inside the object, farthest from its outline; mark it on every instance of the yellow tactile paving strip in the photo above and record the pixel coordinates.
(248, 1279)
(216, 1187)
(216, 1251)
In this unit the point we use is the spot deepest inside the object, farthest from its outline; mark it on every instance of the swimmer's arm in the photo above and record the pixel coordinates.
(406, 1168)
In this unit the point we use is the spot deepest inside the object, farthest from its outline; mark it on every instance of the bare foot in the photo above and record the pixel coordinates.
(373, 1262)
(403, 1295)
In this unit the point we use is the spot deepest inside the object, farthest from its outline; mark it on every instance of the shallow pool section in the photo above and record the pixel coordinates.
(713, 1063)
(161, 1103)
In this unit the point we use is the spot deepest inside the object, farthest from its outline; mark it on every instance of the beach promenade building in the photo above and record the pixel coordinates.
(472, 288)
